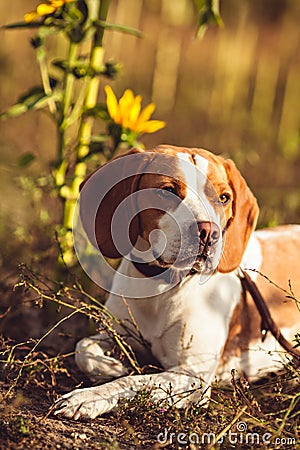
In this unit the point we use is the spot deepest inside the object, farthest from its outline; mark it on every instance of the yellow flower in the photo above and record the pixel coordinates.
(44, 9)
(127, 112)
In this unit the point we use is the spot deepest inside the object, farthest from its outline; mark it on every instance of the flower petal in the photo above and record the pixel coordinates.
(127, 112)
(145, 114)
(125, 104)
(112, 105)
(44, 9)
(30, 16)
(126, 100)
(57, 3)
(151, 126)
(134, 112)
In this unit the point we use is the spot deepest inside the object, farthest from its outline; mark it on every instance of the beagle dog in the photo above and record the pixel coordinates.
(183, 220)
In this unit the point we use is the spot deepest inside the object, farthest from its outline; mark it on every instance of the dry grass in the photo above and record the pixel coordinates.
(261, 415)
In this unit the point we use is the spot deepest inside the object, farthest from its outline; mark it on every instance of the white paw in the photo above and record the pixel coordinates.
(91, 359)
(85, 403)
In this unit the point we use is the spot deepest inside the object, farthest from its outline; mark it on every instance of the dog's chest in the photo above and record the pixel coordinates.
(186, 321)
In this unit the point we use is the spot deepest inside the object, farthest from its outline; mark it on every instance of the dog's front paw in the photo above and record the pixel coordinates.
(85, 403)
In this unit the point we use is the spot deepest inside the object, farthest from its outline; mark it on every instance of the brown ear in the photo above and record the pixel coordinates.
(101, 194)
(242, 223)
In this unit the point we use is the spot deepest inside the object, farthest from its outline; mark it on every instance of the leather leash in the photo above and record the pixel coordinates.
(267, 322)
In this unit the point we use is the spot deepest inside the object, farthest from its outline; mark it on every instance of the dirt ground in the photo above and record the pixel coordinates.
(27, 423)
(35, 372)
(29, 385)
(27, 426)
(37, 366)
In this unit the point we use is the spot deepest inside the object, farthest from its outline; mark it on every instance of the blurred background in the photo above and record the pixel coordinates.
(236, 92)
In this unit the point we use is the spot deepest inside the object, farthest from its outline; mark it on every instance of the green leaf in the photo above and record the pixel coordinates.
(76, 33)
(14, 111)
(99, 138)
(25, 159)
(115, 27)
(100, 111)
(76, 12)
(32, 96)
(79, 70)
(60, 64)
(12, 26)
(34, 99)
(208, 13)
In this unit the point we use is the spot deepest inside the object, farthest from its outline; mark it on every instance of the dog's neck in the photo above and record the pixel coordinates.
(143, 260)
(169, 275)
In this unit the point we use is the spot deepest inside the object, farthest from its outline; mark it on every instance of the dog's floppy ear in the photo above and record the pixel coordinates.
(242, 222)
(101, 194)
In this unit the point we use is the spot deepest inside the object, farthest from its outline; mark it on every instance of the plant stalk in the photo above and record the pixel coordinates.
(46, 83)
(87, 122)
(67, 101)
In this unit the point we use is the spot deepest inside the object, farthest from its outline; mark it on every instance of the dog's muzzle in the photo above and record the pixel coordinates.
(200, 250)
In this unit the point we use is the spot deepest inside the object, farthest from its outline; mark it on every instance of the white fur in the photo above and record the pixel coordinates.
(185, 328)
(175, 233)
(252, 258)
(178, 327)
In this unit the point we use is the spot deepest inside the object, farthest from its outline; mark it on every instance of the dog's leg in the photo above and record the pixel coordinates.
(175, 386)
(92, 356)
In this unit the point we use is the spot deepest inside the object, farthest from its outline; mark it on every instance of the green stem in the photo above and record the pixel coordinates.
(67, 100)
(103, 11)
(96, 63)
(69, 81)
(87, 122)
(78, 105)
(46, 86)
(41, 57)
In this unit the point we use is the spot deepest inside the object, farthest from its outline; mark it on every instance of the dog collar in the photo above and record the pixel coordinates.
(169, 275)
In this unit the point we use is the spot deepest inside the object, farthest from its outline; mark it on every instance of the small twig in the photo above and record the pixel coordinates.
(34, 348)
(267, 322)
(140, 337)
(291, 407)
(289, 294)
(90, 311)
(228, 427)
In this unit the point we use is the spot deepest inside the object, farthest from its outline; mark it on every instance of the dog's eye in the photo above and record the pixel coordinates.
(167, 190)
(224, 199)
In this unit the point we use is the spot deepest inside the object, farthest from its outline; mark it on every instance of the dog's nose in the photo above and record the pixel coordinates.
(208, 232)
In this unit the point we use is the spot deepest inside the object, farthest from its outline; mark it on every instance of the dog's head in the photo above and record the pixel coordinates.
(179, 207)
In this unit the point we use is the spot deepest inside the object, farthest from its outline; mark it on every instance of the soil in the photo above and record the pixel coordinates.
(33, 376)
(26, 421)
(26, 397)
